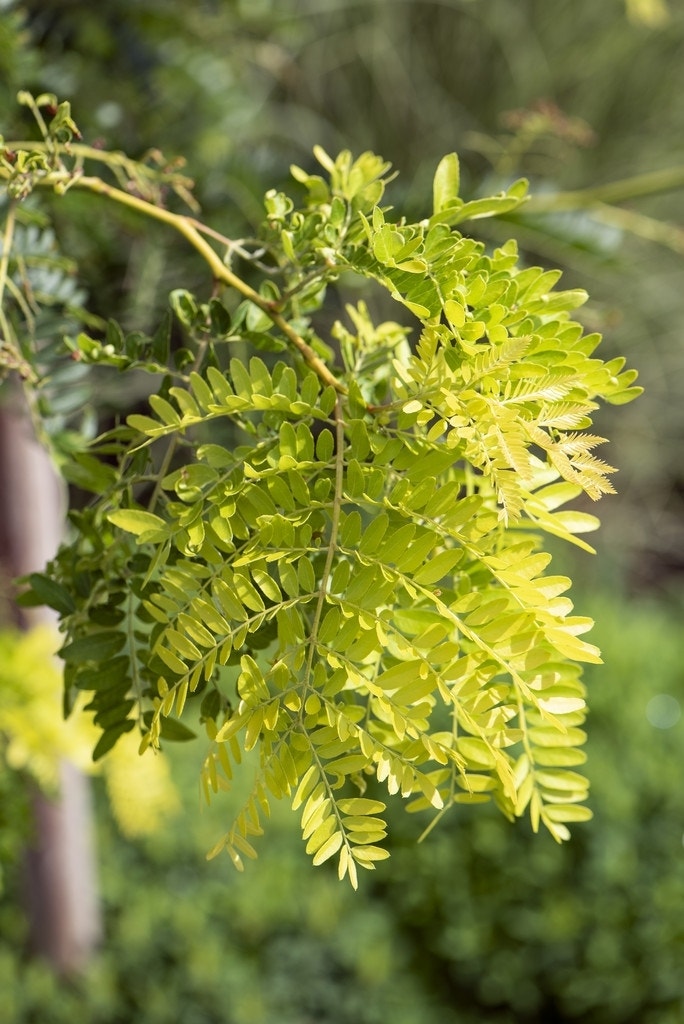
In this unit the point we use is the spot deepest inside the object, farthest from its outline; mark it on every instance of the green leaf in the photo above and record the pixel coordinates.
(577, 522)
(328, 849)
(309, 780)
(161, 340)
(219, 318)
(446, 182)
(322, 833)
(562, 705)
(136, 521)
(108, 738)
(368, 856)
(571, 736)
(175, 731)
(182, 644)
(360, 805)
(455, 313)
(172, 661)
(347, 765)
(184, 306)
(491, 206)
(89, 473)
(52, 593)
(387, 242)
(438, 567)
(93, 647)
(114, 673)
(399, 675)
(145, 424)
(422, 312)
(568, 812)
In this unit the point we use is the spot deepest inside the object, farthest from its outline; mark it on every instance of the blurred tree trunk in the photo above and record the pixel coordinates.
(60, 867)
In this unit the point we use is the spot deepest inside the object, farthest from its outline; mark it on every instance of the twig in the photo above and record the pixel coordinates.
(186, 227)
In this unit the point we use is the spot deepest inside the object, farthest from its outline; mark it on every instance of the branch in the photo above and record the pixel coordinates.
(123, 167)
(636, 187)
(650, 228)
(63, 180)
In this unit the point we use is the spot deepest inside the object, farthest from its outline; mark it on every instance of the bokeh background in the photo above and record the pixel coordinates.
(482, 922)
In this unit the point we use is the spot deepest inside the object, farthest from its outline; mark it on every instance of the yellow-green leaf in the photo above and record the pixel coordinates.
(136, 521)
(328, 849)
(446, 182)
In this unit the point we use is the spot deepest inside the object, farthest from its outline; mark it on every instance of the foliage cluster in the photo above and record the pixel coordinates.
(354, 584)
(477, 925)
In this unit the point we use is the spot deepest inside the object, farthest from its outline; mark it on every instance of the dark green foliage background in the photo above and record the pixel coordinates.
(480, 923)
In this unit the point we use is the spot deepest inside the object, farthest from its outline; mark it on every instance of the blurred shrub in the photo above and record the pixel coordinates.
(478, 924)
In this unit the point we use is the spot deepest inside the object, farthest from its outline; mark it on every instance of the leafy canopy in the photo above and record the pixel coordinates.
(328, 540)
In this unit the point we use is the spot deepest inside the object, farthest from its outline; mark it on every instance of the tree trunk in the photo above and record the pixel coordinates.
(61, 874)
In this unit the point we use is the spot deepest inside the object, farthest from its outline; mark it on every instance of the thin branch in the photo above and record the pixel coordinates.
(122, 166)
(7, 241)
(650, 228)
(637, 187)
(185, 226)
(332, 543)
